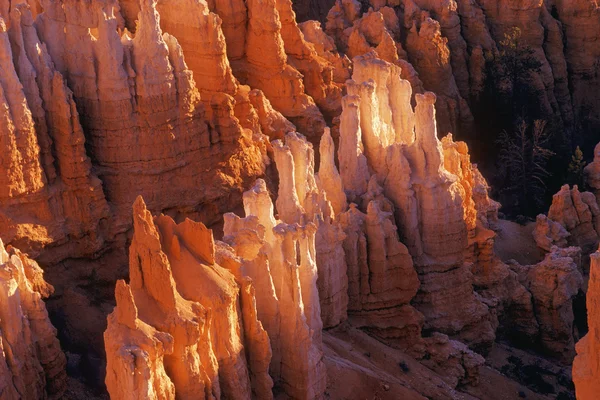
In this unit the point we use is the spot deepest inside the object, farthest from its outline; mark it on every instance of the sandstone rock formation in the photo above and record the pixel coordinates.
(586, 368)
(548, 233)
(184, 102)
(49, 194)
(31, 361)
(402, 150)
(553, 284)
(577, 215)
(288, 304)
(181, 305)
(151, 65)
(592, 173)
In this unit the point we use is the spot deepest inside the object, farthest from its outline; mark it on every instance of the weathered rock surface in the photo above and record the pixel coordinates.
(177, 101)
(181, 305)
(31, 361)
(49, 194)
(586, 368)
(282, 254)
(578, 213)
(592, 173)
(401, 148)
(553, 284)
(548, 233)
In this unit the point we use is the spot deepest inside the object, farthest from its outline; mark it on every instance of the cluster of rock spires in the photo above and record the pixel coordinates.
(184, 104)
(334, 253)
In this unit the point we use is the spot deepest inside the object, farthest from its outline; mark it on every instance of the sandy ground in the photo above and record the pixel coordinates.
(515, 241)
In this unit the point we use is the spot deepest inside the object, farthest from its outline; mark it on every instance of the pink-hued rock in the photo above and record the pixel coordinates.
(548, 233)
(586, 368)
(579, 214)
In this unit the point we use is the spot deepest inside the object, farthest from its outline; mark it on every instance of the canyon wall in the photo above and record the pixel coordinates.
(187, 103)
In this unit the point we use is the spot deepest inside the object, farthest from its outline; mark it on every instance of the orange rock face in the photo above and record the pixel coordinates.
(586, 368)
(32, 363)
(365, 218)
(49, 194)
(181, 305)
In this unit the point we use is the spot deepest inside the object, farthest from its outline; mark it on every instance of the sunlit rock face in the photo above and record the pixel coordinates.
(184, 326)
(402, 151)
(586, 368)
(85, 100)
(49, 194)
(189, 102)
(140, 105)
(31, 361)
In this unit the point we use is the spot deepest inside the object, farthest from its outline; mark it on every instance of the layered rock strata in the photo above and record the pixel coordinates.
(31, 361)
(49, 194)
(142, 86)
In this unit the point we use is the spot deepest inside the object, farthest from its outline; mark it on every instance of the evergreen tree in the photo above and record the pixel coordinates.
(576, 168)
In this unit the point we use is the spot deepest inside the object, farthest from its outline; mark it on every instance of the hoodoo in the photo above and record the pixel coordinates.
(229, 200)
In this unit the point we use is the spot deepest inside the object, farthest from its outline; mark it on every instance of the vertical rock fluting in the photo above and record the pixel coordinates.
(403, 151)
(586, 367)
(201, 36)
(258, 36)
(50, 195)
(141, 110)
(284, 305)
(284, 256)
(31, 361)
(182, 322)
(451, 44)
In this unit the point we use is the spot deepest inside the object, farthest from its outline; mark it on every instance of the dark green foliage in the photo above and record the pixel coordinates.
(576, 168)
(523, 161)
(404, 367)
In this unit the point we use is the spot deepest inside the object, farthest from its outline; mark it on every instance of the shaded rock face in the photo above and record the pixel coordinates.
(553, 284)
(31, 361)
(184, 327)
(573, 219)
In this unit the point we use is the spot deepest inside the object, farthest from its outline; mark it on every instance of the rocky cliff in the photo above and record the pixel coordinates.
(362, 217)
